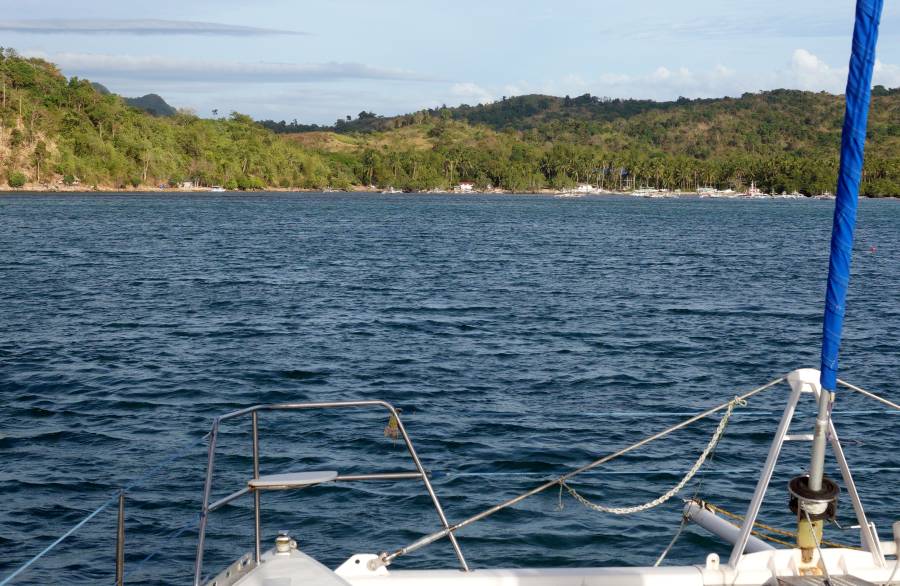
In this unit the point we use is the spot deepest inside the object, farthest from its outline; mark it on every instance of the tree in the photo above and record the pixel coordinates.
(17, 179)
(39, 156)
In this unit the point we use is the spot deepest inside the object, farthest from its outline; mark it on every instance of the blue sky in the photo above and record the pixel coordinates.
(316, 61)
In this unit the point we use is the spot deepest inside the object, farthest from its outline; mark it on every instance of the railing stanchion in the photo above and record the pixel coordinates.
(434, 498)
(204, 513)
(256, 513)
(120, 542)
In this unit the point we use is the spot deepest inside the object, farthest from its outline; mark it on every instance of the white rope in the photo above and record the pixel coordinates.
(386, 558)
(675, 489)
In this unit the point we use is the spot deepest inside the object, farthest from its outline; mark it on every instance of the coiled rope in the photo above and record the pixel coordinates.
(713, 441)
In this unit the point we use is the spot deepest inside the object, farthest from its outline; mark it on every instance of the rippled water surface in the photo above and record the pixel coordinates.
(521, 336)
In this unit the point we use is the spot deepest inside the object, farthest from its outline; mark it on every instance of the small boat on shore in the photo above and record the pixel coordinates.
(754, 192)
(645, 192)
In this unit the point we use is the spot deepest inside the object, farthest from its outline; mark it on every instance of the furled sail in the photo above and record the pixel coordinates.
(859, 89)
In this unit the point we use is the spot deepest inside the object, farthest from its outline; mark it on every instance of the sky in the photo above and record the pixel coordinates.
(316, 61)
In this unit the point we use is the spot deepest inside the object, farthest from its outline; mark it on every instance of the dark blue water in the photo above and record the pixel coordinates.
(521, 336)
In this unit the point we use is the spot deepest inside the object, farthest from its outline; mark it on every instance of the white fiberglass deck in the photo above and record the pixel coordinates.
(298, 569)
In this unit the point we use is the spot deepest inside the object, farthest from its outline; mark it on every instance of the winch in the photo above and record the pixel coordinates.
(814, 496)
(813, 508)
(284, 544)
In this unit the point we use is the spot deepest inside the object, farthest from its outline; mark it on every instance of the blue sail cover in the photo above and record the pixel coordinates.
(859, 89)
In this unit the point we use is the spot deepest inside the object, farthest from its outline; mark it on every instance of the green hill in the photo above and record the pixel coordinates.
(152, 104)
(783, 140)
(55, 130)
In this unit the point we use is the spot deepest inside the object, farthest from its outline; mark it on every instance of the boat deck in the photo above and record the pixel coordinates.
(774, 567)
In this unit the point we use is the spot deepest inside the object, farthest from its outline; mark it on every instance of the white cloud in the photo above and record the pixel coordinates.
(167, 69)
(574, 80)
(330, 90)
(613, 78)
(471, 92)
(662, 83)
(666, 83)
(808, 72)
(752, 23)
(751, 26)
(801, 70)
(512, 89)
(804, 70)
(319, 103)
(887, 75)
(83, 26)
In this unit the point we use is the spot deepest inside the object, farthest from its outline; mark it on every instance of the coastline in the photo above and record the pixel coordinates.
(561, 194)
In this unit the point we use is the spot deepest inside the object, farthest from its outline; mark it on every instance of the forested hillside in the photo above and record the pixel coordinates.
(55, 130)
(783, 140)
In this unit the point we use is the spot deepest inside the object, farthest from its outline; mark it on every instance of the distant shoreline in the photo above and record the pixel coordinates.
(78, 190)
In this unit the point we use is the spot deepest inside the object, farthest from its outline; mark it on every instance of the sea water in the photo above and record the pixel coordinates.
(521, 335)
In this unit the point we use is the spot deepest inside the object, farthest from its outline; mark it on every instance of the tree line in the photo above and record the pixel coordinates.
(55, 129)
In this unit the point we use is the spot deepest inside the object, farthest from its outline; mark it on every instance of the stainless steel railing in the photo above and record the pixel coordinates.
(253, 412)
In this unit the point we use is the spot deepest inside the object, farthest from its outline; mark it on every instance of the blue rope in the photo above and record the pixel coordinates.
(59, 540)
(139, 482)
